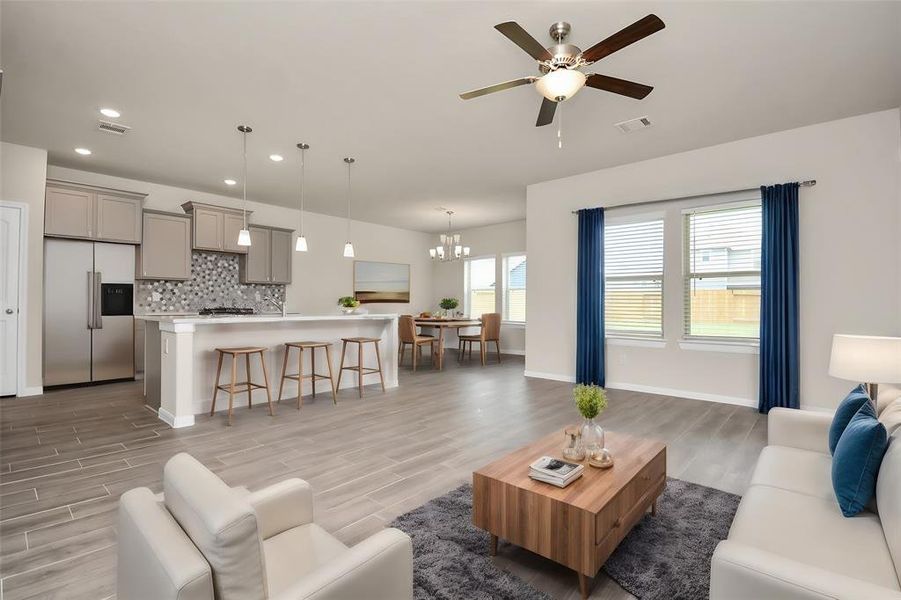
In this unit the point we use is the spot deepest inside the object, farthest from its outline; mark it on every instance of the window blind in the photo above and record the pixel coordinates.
(515, 288)
(722, 271)
(633, 276)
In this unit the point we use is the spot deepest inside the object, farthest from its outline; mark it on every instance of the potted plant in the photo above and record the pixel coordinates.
(591, 400)
(448, 304)
(348, 304)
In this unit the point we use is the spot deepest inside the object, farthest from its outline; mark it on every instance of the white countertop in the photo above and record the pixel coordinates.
(260, 318)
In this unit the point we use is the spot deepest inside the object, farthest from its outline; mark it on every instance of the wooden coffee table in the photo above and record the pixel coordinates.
(578, 526)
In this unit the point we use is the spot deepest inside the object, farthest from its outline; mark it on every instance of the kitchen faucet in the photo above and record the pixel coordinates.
(279, 304)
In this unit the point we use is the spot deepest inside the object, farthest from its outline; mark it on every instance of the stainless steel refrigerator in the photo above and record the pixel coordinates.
(88, 314)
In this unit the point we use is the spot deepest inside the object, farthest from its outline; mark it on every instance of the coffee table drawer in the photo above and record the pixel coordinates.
(615, 516)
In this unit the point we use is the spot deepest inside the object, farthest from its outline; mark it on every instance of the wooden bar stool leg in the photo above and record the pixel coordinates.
(341, 369)
(300, 379)
(249, 389)
(378, 358)
(360, 368)
(216, 383)
(313, 370)
(266, 381)
(331, 377)
(231, 389)
(281, 383)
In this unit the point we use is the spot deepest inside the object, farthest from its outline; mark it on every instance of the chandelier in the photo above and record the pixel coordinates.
(451, 246)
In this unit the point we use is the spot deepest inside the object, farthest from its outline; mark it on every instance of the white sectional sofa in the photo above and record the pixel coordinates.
(789, 539)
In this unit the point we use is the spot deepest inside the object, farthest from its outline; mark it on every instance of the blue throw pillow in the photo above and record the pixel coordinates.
(855, 464)
(845, 411)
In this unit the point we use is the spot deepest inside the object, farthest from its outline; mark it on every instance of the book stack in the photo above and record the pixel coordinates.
(555, 471)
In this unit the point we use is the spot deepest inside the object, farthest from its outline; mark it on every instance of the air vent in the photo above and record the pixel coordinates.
(634, 124)
(110, 127)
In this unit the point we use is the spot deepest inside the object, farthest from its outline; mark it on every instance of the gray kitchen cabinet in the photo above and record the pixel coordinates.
(215, 228)
(165, 252)
(269, 257)
(74, 210)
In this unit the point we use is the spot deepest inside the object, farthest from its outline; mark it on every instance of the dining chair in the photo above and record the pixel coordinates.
(491, 332)
(408, 336)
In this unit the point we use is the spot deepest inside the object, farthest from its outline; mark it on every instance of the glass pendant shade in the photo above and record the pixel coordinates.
(301, 244)
(433, 253)
(458, 251)
(465, 250)
(244, 237)
(562, 83)
(348, 250)
(440, 250)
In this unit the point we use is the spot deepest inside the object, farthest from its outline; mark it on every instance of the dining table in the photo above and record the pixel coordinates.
(442, 323)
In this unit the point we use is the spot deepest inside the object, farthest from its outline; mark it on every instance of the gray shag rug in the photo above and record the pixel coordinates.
(663, 557)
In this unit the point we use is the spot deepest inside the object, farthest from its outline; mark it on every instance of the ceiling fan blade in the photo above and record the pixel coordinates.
(636, 31)
(498, 87)
(618, 86)
(546, 114)
(521, 38)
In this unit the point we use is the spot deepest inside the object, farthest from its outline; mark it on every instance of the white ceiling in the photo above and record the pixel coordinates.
(379, 81)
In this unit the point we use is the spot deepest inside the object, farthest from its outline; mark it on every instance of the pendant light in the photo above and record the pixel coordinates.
(301, 245)
(244, 234)
(348, 246)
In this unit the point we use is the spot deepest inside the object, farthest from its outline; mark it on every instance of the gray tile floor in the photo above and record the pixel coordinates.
(66, 456)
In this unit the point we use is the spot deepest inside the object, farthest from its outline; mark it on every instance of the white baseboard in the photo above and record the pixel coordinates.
(513, 352)
(34, 390)
(649, 389)
(553, 376)
(168, 418)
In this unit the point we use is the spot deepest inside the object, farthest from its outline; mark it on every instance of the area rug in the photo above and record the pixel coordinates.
(666, 556)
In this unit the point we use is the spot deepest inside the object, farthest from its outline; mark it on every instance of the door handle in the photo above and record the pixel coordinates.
(98, 319)
(90, 299)
(9, 311)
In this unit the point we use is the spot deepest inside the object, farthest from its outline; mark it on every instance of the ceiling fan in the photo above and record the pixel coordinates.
(560, 64)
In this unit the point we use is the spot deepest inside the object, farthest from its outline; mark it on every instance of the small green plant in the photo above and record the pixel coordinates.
(449, 303)
(348, 302)
(591, 400)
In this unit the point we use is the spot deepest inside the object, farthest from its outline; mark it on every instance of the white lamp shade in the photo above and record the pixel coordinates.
(563, 83)
(432, 252)
(301, 244)
(440, 252)
(465, 250)
(244, 237)
(348, 250)
(866, 359)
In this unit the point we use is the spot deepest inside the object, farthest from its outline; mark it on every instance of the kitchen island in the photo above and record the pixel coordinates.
(180, 357)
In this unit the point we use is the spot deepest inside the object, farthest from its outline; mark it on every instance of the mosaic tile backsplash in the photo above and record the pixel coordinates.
(214, 282)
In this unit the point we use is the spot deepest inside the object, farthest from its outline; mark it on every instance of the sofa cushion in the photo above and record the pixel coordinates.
(221, 523)
(890, 416)
(888, 496)
(845, 412)
(294, 553)
(801, 471)
(856, 461)
(812, 530)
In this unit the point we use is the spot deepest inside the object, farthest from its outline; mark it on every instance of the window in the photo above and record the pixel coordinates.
(515, 288)
(722, 271)
(633, 278)
(479, 277)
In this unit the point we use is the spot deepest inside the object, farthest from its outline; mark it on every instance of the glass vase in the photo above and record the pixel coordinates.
(592, 437)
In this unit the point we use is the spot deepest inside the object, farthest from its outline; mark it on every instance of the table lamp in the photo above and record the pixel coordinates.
(868, 359)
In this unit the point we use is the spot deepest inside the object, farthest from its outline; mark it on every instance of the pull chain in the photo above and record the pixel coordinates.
(560, 125)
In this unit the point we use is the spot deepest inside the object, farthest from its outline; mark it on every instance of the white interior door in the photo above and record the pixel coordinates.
(10, 226)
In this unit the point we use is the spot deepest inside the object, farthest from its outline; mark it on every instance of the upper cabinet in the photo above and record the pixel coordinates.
(269, 256)
(215, 227)
(165, 252)
(87, 212)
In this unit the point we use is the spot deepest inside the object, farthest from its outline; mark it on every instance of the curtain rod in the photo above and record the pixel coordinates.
(808, 183)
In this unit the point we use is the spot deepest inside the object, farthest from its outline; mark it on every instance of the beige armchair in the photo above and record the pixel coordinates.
(202, 540)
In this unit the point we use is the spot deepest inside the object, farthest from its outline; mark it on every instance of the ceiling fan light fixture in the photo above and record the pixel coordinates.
(561, 84)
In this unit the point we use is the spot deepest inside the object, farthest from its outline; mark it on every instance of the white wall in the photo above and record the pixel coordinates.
(321, 275)
(23, 173)
(492, 240)
(850, 273)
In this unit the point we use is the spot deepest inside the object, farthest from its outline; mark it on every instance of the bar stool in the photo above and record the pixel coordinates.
(250, 385)
(314, 376)
(359, 368)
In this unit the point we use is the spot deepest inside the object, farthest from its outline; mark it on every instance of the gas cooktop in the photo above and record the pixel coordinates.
(226, 310)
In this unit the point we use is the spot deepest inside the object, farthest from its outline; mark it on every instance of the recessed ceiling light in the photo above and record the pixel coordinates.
(276, 157)
(112, 113)
(83, 151)
(230, 182)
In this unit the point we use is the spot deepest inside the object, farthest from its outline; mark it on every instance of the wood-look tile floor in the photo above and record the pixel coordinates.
(66, 456)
